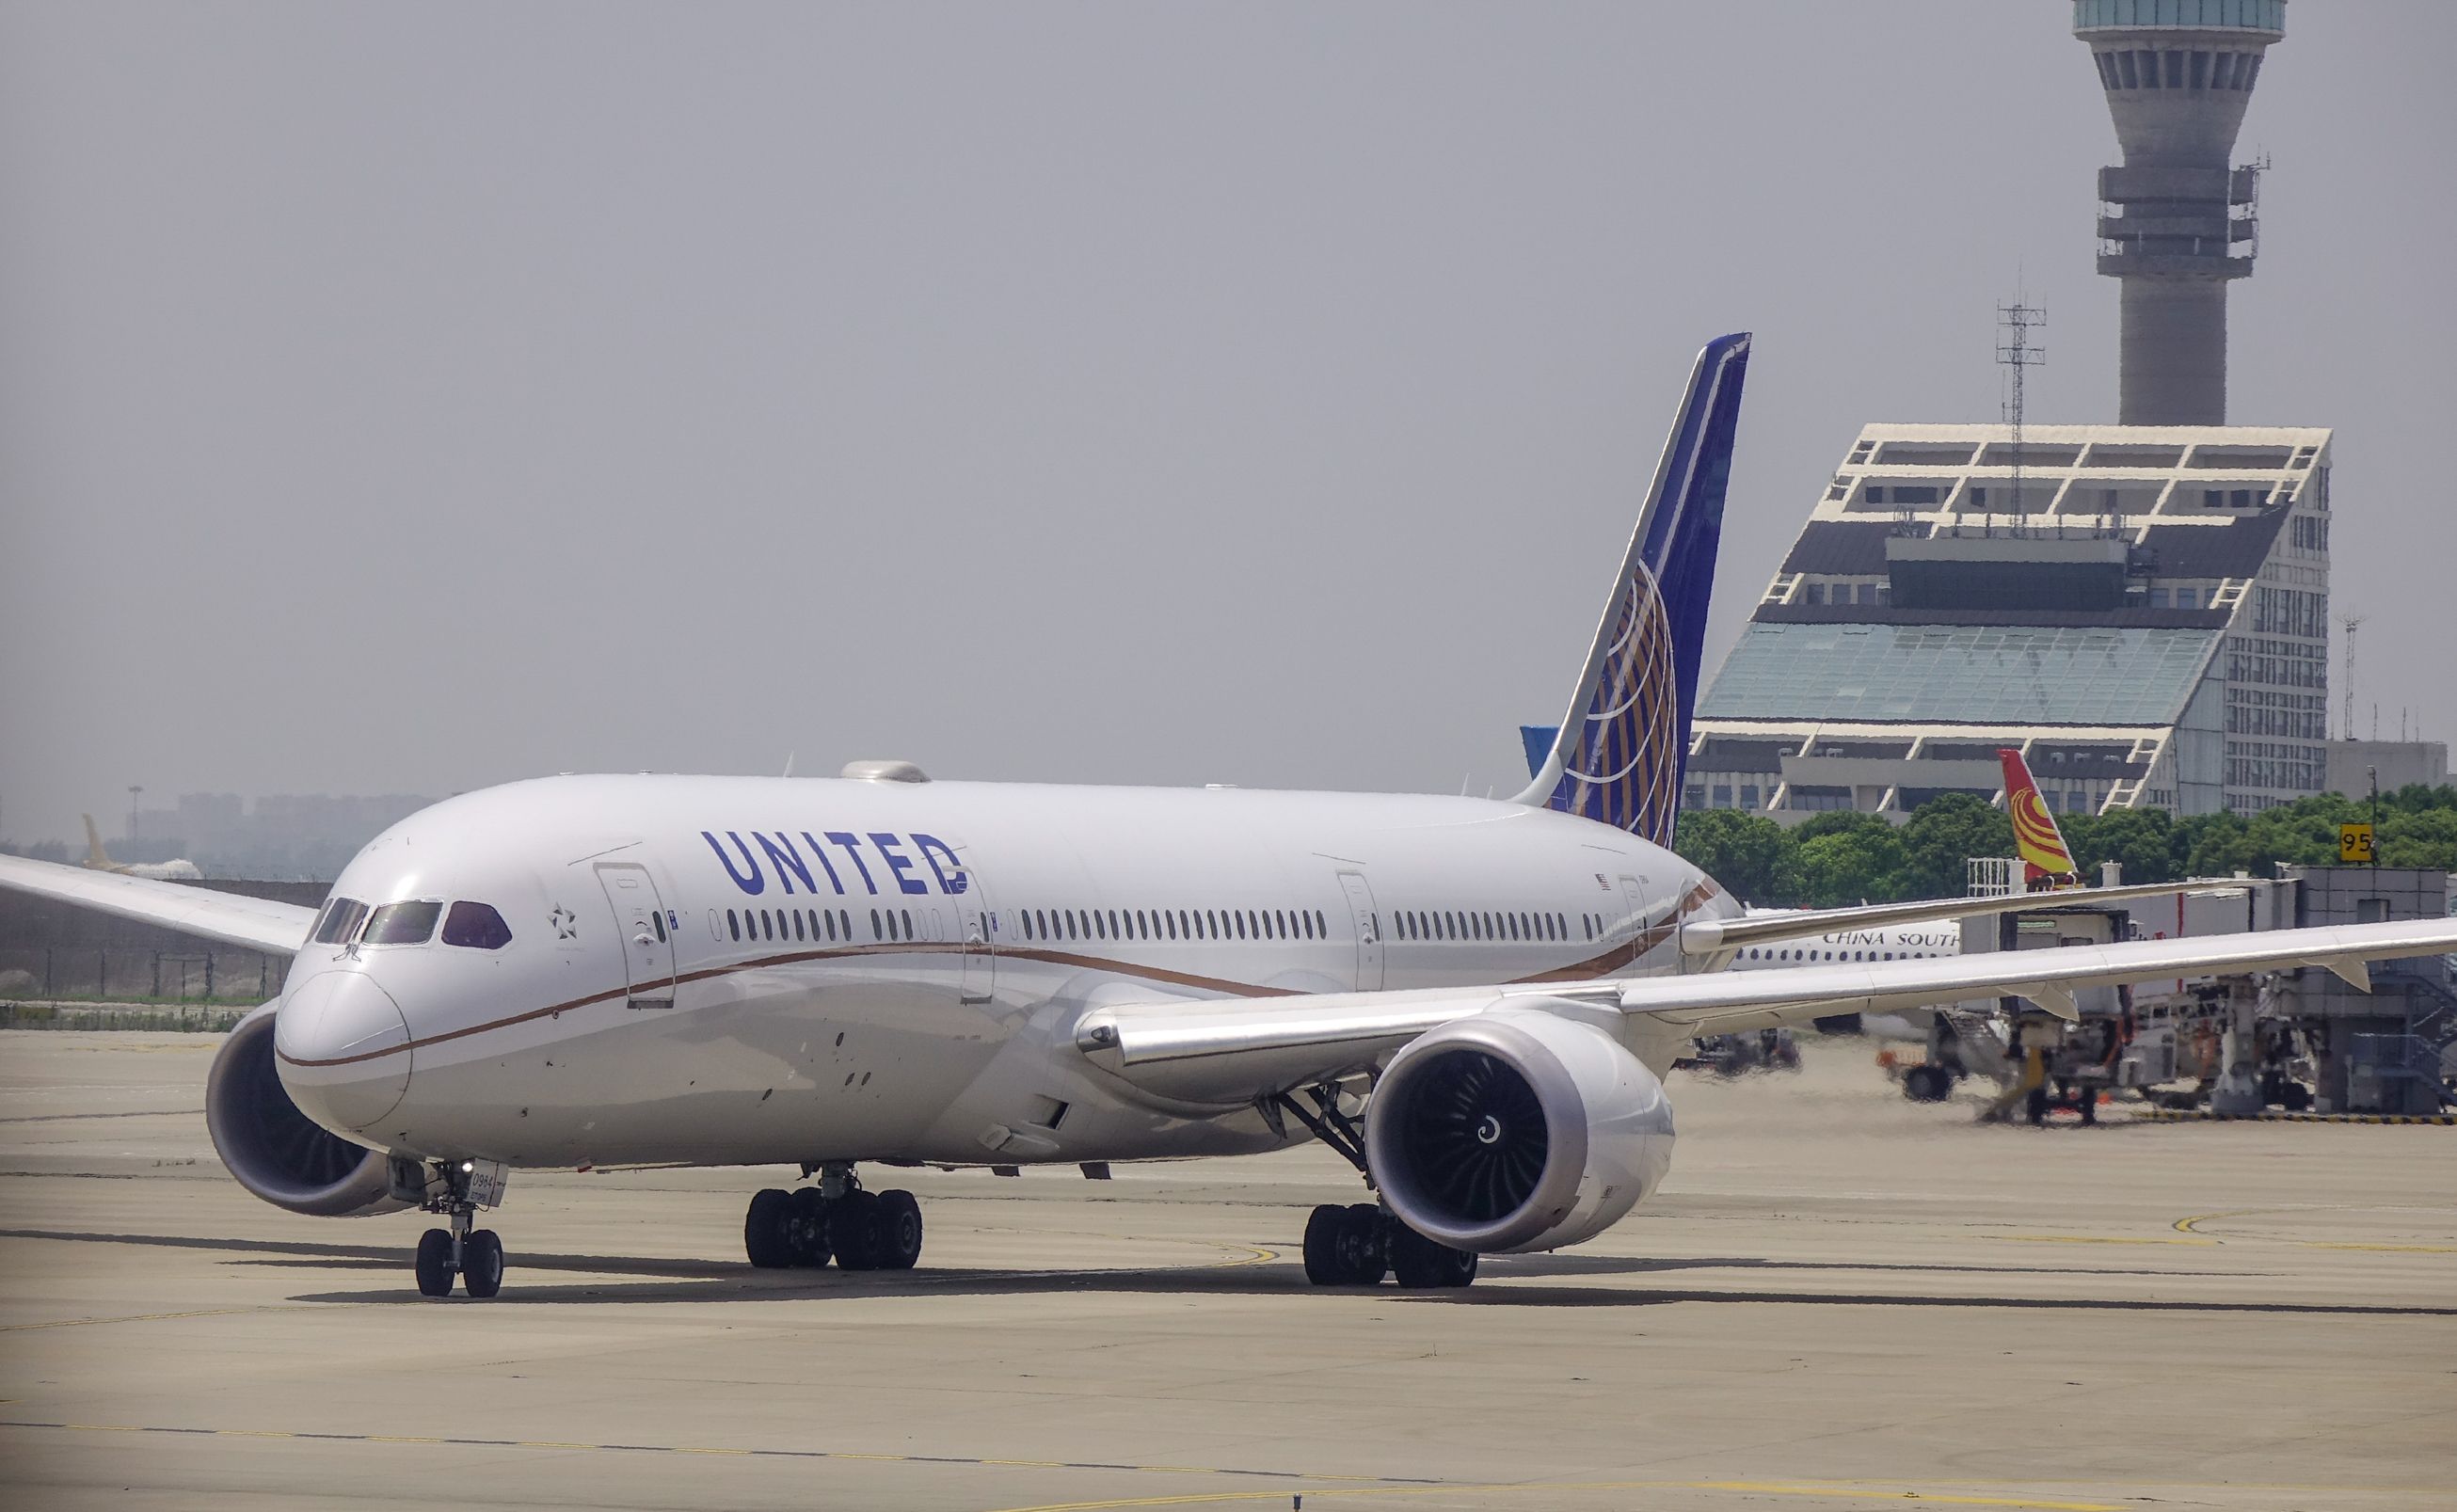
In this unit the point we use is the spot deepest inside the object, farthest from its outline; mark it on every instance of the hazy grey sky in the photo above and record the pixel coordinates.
(415, 398)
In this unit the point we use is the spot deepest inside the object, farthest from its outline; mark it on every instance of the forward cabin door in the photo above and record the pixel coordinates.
(640, 921)
(976, 926)
(1369, 931)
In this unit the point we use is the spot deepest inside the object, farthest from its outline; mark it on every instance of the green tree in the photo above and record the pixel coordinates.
(1943, 834)
(2143, 840)
(1840, 859)
(1738, 849)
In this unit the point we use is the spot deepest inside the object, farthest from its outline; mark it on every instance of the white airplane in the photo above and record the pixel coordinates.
(1473, 1001)
(98, 860)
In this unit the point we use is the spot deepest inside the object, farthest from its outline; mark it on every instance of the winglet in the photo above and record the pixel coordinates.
(1625, 740)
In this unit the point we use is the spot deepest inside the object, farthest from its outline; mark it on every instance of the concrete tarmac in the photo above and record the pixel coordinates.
(1841, 1300)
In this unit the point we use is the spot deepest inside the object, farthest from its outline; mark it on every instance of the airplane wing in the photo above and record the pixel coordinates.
(259, 923)
(1231, 1051)
(1707, 936)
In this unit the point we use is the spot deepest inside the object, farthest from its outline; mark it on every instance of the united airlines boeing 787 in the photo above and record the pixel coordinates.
(1471, 1001)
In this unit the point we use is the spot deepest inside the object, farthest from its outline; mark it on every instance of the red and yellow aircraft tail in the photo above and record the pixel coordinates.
(2047, 861)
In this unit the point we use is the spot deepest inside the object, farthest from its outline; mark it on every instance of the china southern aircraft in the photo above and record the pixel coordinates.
(2047, 865)
(1471, 1001)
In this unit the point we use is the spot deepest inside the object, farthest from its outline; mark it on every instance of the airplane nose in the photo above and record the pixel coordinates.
(342, 1048)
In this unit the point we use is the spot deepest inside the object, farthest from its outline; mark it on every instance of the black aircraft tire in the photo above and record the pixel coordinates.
(895, 1231)
(1322, 1245)
(481, 1263)
(849, 1233)
(1362, 1244)
(764, 1240)
(806, 1228)
(1421, 1263)
(435, 1263)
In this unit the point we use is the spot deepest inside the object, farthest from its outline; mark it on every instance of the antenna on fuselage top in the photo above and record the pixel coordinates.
(789, 763)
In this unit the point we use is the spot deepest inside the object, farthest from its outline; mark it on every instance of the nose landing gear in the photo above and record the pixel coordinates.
(473, 1256)
(860, 1231)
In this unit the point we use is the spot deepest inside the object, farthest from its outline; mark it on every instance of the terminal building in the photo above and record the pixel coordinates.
(2143, 612)
(2141, 607)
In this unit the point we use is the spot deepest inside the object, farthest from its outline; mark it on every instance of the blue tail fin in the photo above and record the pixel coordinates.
(1622, 744)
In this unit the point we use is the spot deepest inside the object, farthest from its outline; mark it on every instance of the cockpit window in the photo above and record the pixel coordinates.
(477, 927)
(342, 919)
(402, 925)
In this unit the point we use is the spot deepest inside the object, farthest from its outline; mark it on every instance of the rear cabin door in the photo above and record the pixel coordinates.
(1633, 896)
(640, 921)
(1369, 931)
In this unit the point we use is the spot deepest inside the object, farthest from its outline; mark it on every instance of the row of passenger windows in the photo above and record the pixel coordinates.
(1183, 924)
(1453, 925)
(471, 925)
(835, 926)
(815, 925)
(2142, 69)
(1762, 953)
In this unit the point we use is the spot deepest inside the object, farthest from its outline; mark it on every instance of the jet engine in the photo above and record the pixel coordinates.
(273, 1149)
(1517, 1131)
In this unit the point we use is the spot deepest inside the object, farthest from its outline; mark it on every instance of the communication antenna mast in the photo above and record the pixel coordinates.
(2349, 623)
(2015, 353)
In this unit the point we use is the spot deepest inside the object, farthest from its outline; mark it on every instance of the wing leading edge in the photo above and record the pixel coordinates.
(1224, 1052)
(259, 923)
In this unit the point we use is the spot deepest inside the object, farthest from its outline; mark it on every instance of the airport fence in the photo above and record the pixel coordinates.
(195, 1018)
(120, 974)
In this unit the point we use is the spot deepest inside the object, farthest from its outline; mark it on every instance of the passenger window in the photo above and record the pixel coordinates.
(908, 923)
(402, 923)
(656, 919)
(476, 926)
(342, 916)
(1319, 927)
(875, 932)
(797, 923)
(732, 925)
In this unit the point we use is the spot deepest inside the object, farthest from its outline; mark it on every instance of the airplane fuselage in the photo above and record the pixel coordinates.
(719, 970)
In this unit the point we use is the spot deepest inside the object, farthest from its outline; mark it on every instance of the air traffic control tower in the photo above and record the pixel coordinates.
(2178, 220)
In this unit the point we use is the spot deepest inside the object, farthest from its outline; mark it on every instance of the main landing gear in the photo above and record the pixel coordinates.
(1359, 1244)
(862, 1231)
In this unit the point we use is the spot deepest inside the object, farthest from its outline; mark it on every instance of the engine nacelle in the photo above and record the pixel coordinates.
(273, 1149)
(1517, 1131)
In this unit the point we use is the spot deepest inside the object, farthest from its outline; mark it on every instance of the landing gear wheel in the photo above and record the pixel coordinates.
(806, 1228)
(435, 1263)
(2295, 1097)
(895, 1232)
(1361, 1243)
(1420, 1262)
(1322, 1245)
(481, 1263)
(763, 1230)
(849, 1230)
(1926, 1083)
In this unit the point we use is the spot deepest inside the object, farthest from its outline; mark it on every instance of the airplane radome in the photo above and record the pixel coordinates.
(1471, 1001)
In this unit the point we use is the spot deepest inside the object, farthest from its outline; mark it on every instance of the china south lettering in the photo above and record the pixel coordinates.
(789, 858)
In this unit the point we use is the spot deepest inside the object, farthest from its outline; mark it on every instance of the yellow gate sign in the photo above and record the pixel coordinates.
(2355, 844)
